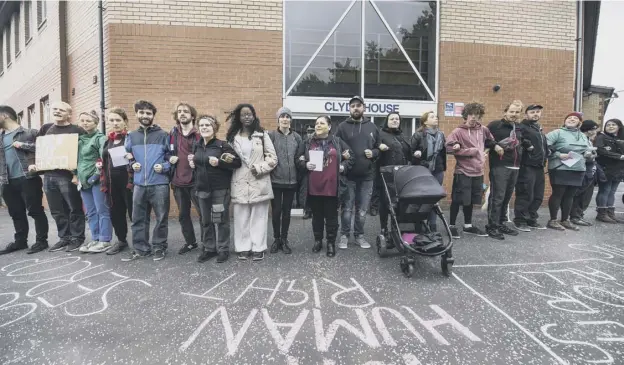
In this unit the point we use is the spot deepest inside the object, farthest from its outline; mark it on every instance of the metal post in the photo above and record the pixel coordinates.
(578, 92)
(102, 93)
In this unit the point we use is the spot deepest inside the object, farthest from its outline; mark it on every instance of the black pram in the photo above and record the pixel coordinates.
(413, 193)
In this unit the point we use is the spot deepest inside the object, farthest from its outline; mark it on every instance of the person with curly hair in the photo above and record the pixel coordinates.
(468, 143)
(251, 183)
(610, 145)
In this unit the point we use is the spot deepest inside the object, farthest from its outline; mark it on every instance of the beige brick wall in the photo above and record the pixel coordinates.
(246, 14)
(541, 24)
(593, 107)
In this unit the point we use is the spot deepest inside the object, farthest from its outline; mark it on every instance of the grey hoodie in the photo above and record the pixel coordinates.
(286, 146)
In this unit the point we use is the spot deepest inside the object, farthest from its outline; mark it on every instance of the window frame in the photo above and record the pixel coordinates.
(16, 34)
(44, 110)
(27, 22)
(31, 114)
(42, 13)
(7, 41)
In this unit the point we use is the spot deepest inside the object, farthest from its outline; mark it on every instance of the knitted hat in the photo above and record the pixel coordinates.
(284, 110)
(589, 125)
(575, 114)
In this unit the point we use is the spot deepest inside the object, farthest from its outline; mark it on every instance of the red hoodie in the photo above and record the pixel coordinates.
(471, 155)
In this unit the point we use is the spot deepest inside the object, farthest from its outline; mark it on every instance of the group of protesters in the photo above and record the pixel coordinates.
(128, 175)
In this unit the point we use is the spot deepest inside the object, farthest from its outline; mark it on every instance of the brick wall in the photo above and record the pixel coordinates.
(36, 72)
(247, 14)
(543, 24)
(593, 107)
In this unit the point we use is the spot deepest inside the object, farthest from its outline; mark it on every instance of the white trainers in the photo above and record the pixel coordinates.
(360, 241)
(86, 247)
(344, 242)
(100, 247)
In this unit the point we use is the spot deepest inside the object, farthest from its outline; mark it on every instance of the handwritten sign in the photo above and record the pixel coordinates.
(57, 152)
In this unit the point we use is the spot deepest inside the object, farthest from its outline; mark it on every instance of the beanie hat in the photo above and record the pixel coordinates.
(575, 114)
(284, 110)
(588, 125)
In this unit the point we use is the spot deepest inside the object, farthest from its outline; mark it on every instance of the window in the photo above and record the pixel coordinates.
(1, 49)
(44, 107)
(31, 115)
(8, 45)
(329, 44)
(20, 116)
(27, 5)
(16, 27)
(41, 12)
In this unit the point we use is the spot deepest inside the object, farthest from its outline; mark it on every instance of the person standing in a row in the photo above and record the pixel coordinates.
(584, 194)
(283, 179)
(610, 145)
(22, 192)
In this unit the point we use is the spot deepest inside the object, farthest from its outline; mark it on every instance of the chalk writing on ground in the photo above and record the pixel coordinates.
(68, 282)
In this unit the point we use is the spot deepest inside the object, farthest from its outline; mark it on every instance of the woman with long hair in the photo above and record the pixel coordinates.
(566, 143)
(117, 180)
(90, 146)
(323, 182)
(428, 148)
(610, 148)
(251, 183)
(395, 150)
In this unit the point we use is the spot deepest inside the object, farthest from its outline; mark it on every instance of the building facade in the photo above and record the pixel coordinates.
(312, 56)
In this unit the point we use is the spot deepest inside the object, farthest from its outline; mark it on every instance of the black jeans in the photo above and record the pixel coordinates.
(22, 195)
(324, 216)
(562, 197)
(529, 194)
(65, 206)
(215, 210)
(502, 183)
(144, 200)
(280, 211)
(121, 204)
(581, 201)
(184, 196)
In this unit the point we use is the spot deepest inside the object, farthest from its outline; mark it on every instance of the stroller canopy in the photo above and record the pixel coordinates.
(413, 184)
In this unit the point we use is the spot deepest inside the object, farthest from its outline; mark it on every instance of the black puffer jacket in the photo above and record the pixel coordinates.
(207, 177)
(418, 142)
(532, 136)
(610, 152)
(399, 149)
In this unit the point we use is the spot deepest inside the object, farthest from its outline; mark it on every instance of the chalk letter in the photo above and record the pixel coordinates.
(345, 290)
(324, 340)
(445, 318)
(283, 344)
(290, 289)
(381, 326)
(104, 300)
(580, 289)
(608, 360)
(608, 337)
(205, 295)
(251, 286)
(554, 302)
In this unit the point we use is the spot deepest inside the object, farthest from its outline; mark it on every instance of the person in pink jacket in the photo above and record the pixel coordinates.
(468, 143)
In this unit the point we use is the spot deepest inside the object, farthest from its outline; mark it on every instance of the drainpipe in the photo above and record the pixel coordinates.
(102, 94)
(578, 94)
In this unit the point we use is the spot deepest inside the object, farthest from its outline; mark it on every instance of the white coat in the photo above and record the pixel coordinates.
(249, 189)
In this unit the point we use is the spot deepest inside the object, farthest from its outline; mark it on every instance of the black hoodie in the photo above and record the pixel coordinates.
(532, 136)
(360, 136)
(502, 129)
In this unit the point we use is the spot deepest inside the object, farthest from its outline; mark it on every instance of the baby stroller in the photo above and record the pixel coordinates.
(413, 193)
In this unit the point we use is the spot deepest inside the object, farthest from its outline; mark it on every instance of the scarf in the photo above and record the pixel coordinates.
(112, 136)
(325, 145)
(435, 140)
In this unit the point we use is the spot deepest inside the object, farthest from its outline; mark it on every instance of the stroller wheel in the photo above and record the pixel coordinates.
(447, 265)
(409, 271)
(382, 248)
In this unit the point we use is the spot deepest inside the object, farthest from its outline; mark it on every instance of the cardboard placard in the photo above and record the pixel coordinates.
(57, 152)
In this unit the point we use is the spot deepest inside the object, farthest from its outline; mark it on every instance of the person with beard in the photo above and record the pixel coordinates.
(117, 181)
(251, 183)
(610, 148)
(22, 192)
(60, 187)
(504, 167)
(428, 149)
(531, 178)
(181, 140)
(583, 196)
(283, 179)
(324, 185)
(394, 150)
(468, 143)
(149, 147)
(362, 136)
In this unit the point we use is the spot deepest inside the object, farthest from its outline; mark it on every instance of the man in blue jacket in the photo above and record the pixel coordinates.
(148, 149)
(362, 136)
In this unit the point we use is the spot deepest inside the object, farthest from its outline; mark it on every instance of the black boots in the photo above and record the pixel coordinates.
(285, 247)
(277, 243)
(611, 214)
(603, 216)
(331, 249)
(318, 246)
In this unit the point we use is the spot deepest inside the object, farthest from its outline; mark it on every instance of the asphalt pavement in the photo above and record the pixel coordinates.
(543, 297)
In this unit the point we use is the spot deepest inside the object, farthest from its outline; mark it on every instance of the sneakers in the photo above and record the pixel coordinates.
(187, 248)
(223, 257)
(86, 247)
(244, 255)
(344, 242)
(12, 247)
(568, 225)
(100, 247)
(117, 247)
(159, 255)
(258, 256)
(522, 227)
(581, 222)
(37, 247)
(206, 255)
(277, 243)
(475, 231)
(73, 246)
(507, 230)
(360, 241)
(134, 256)
(59, 246)
(455, 232)
(495, 233)
(535, 225)
(554, 224)
(285, 247)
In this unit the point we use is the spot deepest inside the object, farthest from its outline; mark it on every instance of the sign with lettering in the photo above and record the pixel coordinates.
(57, 152)
(373, 107)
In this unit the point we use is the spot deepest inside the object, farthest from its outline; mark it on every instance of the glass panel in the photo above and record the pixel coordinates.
(388, 75)
(335, 71)
(307, 24)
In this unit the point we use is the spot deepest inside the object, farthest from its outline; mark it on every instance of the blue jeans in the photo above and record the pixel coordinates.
(606, 193)
(65, 206)
(360, 193)
(144, 200)
(98, 212)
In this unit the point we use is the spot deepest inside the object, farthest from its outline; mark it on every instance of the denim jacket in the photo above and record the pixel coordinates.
(26, 153)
